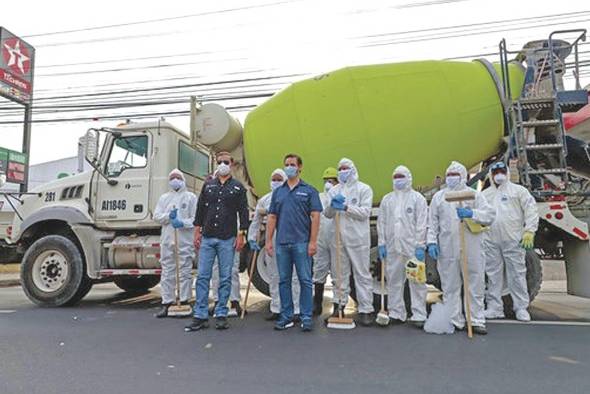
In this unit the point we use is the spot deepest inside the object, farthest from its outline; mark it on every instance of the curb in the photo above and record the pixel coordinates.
(9, 282)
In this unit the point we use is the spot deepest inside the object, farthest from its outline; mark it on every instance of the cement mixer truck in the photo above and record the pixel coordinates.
(98, 226)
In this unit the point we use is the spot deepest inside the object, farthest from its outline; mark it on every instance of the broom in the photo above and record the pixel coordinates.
(178, 310)
(339, 322)
(382, 318)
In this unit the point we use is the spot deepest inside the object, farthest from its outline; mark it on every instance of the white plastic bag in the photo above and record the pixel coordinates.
(439, 321)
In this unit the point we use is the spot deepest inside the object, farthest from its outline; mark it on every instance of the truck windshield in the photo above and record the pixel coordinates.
(127, 152)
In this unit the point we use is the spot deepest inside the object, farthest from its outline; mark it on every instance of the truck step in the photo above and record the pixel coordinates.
(572, 100)
(537, 123)
(131, 272)
(543, 146)
(548, 171)
(537, 102)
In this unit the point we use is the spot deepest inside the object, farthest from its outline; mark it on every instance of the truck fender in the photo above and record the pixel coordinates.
(64, 214)
(558, 214)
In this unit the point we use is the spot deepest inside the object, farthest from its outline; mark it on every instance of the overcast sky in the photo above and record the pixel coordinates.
(198, 42)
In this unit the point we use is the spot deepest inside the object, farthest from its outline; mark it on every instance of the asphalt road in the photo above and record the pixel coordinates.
(111, 344)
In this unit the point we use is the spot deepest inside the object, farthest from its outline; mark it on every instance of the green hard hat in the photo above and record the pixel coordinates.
(330, 172)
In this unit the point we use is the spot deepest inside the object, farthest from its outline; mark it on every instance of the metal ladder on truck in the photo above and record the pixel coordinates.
(537, 139)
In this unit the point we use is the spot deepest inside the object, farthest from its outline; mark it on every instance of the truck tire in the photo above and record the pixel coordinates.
(53, 272)
(136, 284)
(261, 275)
(534, 279)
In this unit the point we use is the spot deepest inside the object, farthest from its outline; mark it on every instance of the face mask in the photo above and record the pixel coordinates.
(328, 186)
(400, 183)
(453, 181)
(275, 184)
(500, 178)
(176, 184)
(343, 175)
(223, 169)
(290, 171)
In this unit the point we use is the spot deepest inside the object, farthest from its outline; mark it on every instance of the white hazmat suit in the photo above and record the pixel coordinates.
(355, 239)
(270, 262)
(322, 259)
(443, 230)
(516, 213)
(186, 204)
(401, 227)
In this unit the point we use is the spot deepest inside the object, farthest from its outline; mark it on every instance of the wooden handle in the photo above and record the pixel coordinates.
(177, 263)
(465, 270)
(338, 261)
(383, 286)
(250, 274)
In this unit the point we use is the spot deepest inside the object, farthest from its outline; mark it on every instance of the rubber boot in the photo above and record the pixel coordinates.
(318, 299)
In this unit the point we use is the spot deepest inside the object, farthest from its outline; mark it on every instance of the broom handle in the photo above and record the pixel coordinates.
(383, 285)
(465, 279)
(250, 274)
(177, 264)
(338, 271)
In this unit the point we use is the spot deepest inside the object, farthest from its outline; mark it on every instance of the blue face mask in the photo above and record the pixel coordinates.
(176, 184)
(343, 175)
(291, 171)
(453, 181)
(400, 183)
(275, 184)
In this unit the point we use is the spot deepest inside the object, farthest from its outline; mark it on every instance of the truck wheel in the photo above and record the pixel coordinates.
(534, 278)
(53, 272)
(261, 275)
(136, 284)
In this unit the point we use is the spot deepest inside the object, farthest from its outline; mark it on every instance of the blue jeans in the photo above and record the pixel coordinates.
(224, 250)
(288, 255)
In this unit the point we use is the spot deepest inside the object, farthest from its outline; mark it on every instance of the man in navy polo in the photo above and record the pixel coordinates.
(294, 211)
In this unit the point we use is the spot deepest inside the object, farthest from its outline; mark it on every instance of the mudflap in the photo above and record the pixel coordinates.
(577, 265)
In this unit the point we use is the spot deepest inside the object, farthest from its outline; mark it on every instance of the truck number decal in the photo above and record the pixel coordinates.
(49, 196)
(114, 205)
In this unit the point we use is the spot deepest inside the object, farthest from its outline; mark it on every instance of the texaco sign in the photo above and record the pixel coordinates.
(16, 67)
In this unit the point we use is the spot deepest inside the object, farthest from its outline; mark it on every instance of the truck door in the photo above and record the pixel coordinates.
(125, 196)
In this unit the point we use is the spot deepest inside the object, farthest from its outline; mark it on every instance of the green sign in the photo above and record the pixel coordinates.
(13, 163)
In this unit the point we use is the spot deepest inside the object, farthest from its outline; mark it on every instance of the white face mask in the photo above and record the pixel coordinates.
(453, 181)
(176, 184)
(223, 169)
(343, 175)
(328, 186)
(275, 184)
(500, 178)
(400, 183)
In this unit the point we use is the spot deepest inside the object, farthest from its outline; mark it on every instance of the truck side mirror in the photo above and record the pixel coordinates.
(89, 144)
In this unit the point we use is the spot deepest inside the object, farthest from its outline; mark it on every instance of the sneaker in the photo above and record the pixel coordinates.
(272, 316)
(296, 318)
(523, 315)
(282, 325)
(366, 319)
(221, 323)
(197, 324)
(480, 330)
(307, 326)
(163, 312)
(417, 323)
(491, 314)
(235, 309)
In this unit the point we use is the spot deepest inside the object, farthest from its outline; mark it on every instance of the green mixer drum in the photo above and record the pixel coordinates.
(420, 114)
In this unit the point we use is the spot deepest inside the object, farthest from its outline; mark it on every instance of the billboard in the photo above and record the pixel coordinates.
(17, 58)
(13, 164)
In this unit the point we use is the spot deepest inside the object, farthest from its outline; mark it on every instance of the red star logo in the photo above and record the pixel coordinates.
(16, 57)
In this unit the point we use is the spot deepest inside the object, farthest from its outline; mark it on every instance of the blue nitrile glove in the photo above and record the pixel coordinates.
(433, 251)
(464, 213)
(173, 214)
(337, 202)
(382, 252)
(254, 245)
(177, 223)
(420, 253)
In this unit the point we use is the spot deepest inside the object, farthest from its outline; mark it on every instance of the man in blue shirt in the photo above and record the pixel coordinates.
(294, 211)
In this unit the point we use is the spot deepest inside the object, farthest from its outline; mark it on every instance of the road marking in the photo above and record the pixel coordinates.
(6, 311)
(563, 360)
(541, 323)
